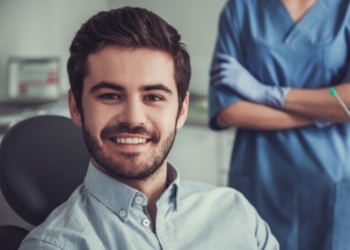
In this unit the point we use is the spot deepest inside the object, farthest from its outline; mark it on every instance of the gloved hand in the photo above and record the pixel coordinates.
(227, 71)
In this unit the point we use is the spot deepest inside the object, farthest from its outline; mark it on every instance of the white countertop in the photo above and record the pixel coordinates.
(11, 115)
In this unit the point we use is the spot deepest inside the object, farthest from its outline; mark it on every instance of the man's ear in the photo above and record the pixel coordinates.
(73, 110)
(183, 112)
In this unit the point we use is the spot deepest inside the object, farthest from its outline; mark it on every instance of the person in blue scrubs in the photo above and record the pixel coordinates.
(272, 69)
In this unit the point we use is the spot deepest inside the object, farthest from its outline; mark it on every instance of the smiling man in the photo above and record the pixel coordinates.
(129, 76)
(131, 99)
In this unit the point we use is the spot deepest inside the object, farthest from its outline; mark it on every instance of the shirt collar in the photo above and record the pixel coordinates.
(171, 194)
(120, 198)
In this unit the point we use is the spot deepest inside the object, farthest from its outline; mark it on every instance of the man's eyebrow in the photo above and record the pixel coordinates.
(157, 87)
(106, 85)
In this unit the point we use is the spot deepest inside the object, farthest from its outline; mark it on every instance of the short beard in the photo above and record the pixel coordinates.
(135, 171)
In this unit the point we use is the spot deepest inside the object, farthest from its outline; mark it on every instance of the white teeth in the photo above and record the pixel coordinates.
(130, 140)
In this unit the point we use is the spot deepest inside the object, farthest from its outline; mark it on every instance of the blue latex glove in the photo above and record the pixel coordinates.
(229, 72)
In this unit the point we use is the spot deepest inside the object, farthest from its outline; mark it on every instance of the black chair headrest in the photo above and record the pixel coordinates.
(42, 160)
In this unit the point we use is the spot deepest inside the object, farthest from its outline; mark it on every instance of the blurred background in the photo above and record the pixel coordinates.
(37, 33)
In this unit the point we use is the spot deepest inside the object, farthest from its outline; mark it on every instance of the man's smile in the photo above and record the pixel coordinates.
(129, 140)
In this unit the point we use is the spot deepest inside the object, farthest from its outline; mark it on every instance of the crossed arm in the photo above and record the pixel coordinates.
(273, 107)
(301, 108)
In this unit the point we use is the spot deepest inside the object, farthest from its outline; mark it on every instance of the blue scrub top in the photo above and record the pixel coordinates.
(298, 179)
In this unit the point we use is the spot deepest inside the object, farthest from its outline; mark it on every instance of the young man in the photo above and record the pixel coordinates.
(129, 76)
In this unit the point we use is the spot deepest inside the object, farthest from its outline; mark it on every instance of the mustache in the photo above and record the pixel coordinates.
(126, 128)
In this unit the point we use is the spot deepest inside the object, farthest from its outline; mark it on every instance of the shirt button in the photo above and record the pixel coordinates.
(138, 200)
(122, 213)
(146, 222)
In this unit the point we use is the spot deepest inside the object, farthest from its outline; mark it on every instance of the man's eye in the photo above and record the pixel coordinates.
(110, 96)
(153, 98)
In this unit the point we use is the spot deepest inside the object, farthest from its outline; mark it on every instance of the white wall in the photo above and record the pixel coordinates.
(39, 28)
(35, 28)
(196, 21)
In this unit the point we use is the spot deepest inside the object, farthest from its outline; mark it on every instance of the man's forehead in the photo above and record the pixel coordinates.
(121, 52)
(124, 67)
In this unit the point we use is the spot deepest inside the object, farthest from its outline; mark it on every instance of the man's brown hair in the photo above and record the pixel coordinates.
(127, 27)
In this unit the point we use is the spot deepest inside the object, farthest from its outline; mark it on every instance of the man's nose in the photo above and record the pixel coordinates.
(133, 113)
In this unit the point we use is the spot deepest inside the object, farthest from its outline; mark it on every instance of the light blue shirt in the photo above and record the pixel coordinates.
(104, 213)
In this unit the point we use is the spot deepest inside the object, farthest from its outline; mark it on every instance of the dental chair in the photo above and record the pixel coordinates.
(42, 160)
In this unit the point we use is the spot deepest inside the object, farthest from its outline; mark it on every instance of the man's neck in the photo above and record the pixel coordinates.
(153, 187)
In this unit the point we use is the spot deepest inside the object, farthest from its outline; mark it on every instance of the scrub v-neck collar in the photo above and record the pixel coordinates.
(290, 29)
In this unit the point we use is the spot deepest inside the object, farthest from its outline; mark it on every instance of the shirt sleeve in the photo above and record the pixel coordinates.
(265, 240)
(36, 244)
(228, 42)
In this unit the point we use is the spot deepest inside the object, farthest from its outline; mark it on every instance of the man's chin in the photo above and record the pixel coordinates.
(124, 173)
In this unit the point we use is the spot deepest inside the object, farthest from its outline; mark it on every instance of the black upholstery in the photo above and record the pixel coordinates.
(11, 237)
(42, 160)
